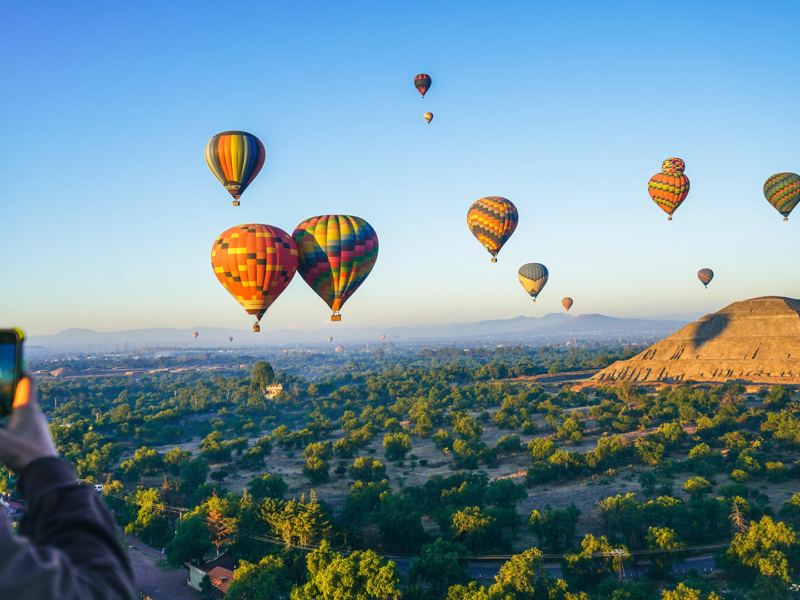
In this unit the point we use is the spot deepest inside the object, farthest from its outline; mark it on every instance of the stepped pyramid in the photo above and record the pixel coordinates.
(753, 341)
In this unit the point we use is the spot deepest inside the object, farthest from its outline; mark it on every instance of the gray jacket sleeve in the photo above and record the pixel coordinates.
(68, 547)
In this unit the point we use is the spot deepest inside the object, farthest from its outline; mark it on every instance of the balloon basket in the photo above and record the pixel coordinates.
(256, 327)
(785, 218)
(494, 260)
(236, 203)
(670, 218)
(336, 317)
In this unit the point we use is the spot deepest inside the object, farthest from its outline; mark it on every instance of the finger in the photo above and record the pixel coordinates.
(26, 394)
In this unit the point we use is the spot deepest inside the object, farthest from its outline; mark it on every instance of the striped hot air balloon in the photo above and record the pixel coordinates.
(492, 220)
(254, 263)
(423, 83)
(336, 254)
(195, 334)
(428, 116)
(533, 277)
(782, 191)
(567, 303)
(705, 275)
(235, 158)
(669, 188)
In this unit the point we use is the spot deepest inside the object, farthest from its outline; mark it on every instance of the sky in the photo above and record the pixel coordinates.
(109, 211)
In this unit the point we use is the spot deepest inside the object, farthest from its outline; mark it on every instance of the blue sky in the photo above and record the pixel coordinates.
(109, 210)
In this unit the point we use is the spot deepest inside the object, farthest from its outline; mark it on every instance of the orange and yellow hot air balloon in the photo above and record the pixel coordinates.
(669, 188)
(428, 116)
(567, 303)
(235, 158)
(255, 263)
(492, 220)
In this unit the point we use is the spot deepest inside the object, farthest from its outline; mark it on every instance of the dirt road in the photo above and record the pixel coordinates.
(158, 583)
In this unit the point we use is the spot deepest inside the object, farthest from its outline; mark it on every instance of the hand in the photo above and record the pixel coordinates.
(26, 437)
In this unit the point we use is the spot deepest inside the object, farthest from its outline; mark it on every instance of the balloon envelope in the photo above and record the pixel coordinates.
(254, 263)
(423, 83)
(230, 339)
(705, 275)
(383, 337)
(533, 276)
(567, 303)
(669, 188)
(195, 334)
(235, 158)
(492, 220)
(336, 254)
(428, 116)
(330, 339)
(782, 191)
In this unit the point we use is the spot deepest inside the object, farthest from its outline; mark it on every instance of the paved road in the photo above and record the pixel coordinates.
(158, 583)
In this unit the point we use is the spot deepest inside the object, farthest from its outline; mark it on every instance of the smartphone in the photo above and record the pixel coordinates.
(10, 368)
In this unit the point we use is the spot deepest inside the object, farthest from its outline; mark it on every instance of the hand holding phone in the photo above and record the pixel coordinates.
(10, 367)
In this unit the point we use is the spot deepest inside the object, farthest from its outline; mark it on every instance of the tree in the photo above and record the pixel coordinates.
(175, 459)
(221, 529)
(763, 552)
(555, 526)
(524, 576)
(504, 493)
(571, 429)
(150, 525)
(366, 468)
(193, 474)
(321, 450)
(662, 538)
(586, 568)
(267, 485)
(400, 522)
(317, 470)
(474, 528)
(444, 565)
(396, 446)
(648, 481)
(265, 580)
(359, 576)
(191, 541)
(469, 429)
(261, 377)
(697, 487)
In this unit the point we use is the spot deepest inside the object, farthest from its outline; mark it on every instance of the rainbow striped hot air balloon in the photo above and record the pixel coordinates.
(423, 83)
(669, 188)
(567, 303)
(782, 191)
(235, 158)
(533, 277)
(195, 334)
(336, 254)
(254, 263)
(705, 275)
(492, 220)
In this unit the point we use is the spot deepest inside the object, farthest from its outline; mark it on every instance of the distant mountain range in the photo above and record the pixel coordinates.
(553, 327)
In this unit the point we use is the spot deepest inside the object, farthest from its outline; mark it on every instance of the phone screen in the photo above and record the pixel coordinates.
(9, 363)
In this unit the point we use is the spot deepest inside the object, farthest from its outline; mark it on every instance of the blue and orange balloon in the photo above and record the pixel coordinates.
(235, 158)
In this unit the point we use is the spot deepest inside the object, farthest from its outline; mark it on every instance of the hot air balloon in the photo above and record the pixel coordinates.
(235, 158)
(338, 349)
(423, 83)
(705, 275)
(492, 220)
(230, 339)
(330, 339)
(566, 303)
(383, 337)
(195, 334)
(782, 191)
(669, 188)
(428, 117)
(533, 276)
(335, 255)
(254, 263)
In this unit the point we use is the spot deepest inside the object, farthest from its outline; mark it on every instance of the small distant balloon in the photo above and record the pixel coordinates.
(423, 83)
(195, 334)
(330, 339)
(230, 339)
(533, 277)
(492, 220)
(705, 275)
(567, 303)
(338, 349)
(782, 191)
(383, 337)
(669, 188)
(428, 117)
(235, 158)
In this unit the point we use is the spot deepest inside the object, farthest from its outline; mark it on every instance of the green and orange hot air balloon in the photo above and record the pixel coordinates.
(782, 191)
(669, 188)
(335, 255)
(235, 158)
(492, 220)
(254, 263)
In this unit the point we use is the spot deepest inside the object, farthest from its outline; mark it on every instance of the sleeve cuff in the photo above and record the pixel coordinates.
(45, 475)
